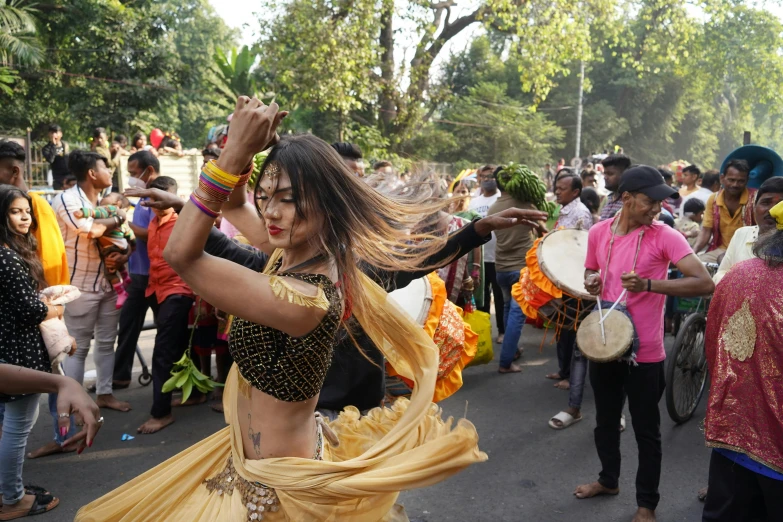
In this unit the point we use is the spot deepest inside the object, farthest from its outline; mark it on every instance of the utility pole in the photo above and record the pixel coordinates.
(579, 110)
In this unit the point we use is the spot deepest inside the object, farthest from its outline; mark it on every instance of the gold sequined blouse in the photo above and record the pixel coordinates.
(288, 368)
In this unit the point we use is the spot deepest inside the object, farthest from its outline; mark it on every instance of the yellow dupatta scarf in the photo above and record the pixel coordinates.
(389, 450)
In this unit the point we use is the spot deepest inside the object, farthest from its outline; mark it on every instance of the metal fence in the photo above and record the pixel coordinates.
(36, 169)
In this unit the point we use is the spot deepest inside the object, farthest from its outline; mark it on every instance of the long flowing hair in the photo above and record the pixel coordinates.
(362, 226)
(26, 245)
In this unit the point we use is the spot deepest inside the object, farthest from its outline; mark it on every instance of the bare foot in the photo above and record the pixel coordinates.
(563, 385)
(702, 495)
(154, 425)
(513, 368)
(554, 376)
(52, 448)
(200, 399)
(644, 515)
(593, 490)
(500, 338)
(217, 406)
(111, 402)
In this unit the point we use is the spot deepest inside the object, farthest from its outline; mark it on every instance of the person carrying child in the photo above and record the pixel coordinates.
(120, 240)
(690, 222)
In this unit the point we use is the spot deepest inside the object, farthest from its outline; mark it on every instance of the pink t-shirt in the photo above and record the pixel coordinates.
(661, 245)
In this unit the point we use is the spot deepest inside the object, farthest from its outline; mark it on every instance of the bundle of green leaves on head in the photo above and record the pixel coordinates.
(524, 185)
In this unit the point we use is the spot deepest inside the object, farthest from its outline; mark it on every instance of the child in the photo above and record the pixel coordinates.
(690, 223)
(173, 300)
(120, 240)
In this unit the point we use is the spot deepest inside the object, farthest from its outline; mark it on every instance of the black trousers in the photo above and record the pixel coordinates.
(171, 341)
(644, 385)
(491, 287)
(131, 321)
(565, 350)
(738, 494)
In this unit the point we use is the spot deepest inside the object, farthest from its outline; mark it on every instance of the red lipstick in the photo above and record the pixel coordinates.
(273, 230)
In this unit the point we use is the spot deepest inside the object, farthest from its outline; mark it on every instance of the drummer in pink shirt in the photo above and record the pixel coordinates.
(642, 189)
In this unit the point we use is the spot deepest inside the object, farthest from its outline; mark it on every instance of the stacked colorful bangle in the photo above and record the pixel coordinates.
(244, 178)
(202, 207)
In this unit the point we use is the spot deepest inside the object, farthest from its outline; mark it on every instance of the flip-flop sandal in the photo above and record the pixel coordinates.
(566, 420)
(41, 504)
(558, 378)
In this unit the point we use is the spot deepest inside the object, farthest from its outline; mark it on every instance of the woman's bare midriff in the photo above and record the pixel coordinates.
(273, 428)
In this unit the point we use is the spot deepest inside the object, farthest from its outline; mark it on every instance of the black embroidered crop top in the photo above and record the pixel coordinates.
(288, 368)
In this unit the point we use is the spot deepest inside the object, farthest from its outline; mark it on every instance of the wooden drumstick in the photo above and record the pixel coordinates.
(601, 322)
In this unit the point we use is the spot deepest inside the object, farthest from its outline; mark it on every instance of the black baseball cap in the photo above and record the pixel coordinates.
(648, 181)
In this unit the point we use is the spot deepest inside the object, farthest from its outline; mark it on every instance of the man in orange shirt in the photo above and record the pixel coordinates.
(173, 300)
(51, 252)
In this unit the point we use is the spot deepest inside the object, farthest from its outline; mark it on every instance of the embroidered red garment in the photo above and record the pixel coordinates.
(745, 358)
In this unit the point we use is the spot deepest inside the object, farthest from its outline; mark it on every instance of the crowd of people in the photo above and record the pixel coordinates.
(315, 244)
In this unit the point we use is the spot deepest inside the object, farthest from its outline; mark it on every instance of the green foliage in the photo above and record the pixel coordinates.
(489, 126)
(17, 33)
(124, 66)
(525, 186)
(235, 76)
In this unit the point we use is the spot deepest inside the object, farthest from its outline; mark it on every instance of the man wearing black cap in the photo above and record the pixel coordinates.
(632, 252)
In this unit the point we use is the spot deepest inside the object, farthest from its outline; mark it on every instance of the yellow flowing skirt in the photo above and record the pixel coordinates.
(380, 454)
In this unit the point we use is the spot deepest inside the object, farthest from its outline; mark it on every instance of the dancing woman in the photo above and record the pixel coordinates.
(324, 223)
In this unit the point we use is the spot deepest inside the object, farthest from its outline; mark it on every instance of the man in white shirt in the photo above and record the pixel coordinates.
(741, 245)
(95, 313)
(480, 203)
(710, 184)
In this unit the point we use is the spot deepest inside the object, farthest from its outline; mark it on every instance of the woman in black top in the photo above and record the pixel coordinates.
(21, 344)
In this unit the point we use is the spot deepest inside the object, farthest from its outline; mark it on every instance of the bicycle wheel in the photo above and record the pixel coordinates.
(686, 373)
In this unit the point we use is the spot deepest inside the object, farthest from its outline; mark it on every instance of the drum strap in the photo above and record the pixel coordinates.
(609, 257)
(606, 270)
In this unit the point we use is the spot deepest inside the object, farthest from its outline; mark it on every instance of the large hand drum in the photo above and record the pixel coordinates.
(561, 257)
(615, 341)
(415, 299)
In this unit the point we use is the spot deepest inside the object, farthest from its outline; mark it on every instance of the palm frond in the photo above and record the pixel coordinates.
(17, 33)
(17, 18)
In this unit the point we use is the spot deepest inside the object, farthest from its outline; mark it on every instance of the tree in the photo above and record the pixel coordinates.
(235, 76)
(129, 66)
(489, 126)
(17, 41)
(329, 53)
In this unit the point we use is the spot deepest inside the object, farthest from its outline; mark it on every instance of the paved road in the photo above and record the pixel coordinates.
(530, 475)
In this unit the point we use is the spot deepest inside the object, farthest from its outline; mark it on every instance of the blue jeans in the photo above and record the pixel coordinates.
(59, 439)
(578, 373)
(514, 319)
(20, 416)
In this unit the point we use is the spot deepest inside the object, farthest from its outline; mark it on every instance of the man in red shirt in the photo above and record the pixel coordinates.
(173, 300)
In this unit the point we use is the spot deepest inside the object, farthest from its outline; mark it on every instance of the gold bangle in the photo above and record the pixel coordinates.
(220, 174)
(205, 201)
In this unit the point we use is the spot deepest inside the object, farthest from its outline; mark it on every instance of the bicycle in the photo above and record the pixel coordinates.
(686, 372)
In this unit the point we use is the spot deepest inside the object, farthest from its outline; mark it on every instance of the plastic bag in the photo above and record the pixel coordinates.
(479, 322)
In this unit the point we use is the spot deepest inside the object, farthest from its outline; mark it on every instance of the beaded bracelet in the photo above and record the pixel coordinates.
(206, 210)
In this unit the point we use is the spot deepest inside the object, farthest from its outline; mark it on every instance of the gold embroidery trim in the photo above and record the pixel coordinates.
(285, 291)
(739, 336)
